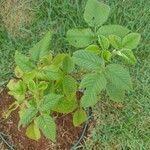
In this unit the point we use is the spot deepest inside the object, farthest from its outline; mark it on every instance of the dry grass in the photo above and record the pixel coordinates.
(16, 14)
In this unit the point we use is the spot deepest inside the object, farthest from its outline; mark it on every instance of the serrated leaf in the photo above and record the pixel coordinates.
(116, 94)
(79, 117)
(19, 97)
(27, 116)
(117, 30)
(106, 55)
(89, 99)
(104, 42)
(29, 75)
(17, 89)
(41, 49)
(24, 63)
(16, 85)
(49, 101)
(68, 64)
(94, 83)
(48, 126)
(42, 85)
(93, 48)
(96, 13)
(131, 40)
(115, 41)
(80, 38)
(87, 60)
(49, 73)
(119, 76)
(45, 60)
(69, 85)
(32, 85)
(127, 55)
(33, 132)
(58, 60)
(18, 72)
(32, 103)
(65, 105)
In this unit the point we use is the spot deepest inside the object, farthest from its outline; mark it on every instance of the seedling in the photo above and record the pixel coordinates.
(47, 83)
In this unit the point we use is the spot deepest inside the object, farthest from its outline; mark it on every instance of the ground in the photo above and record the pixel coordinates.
(121, 126)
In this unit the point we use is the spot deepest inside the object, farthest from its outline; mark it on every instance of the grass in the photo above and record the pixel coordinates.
(54, 15)
(120, 125)
(15, 14)
(125, 126)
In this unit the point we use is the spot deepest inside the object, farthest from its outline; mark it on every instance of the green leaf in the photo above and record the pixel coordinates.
(93, 48)
(32, 103)
(115, 41)
(18, 72)
(119, 76)
(116, 94)
(68, 64)
(58, 60)
(48, 126)
(127, 55)
(94, 83)
(45, 60)
(29, 75)
(117, 30)
(16, 85)
(96, 13)
(79, 117)
(42, 85)
(41, 49)
(49, 73)
(24, 63)
(17, 89)
(87, 60)
(19, 97)
(104, 42)
(27, 116)
(106, 55)
(80, 38)
(69, 85)
(49, 101)
(89, 99)
(32, 85)
(131, 40)
(33, 132)
(65, 105)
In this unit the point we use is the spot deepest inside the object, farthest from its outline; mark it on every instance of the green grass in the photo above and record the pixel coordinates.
(125, 125)
(55, 15)
(126, 128)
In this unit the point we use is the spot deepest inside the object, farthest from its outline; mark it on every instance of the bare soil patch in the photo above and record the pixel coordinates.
(67, 134)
